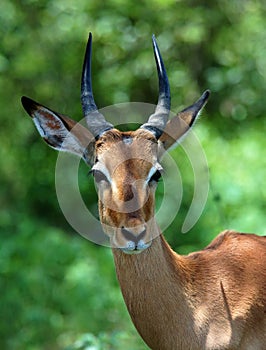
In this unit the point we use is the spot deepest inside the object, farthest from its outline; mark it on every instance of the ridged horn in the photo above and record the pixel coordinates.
(157, 121)
(95, 120)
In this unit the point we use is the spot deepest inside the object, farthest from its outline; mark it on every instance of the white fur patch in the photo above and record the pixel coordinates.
(127, 140)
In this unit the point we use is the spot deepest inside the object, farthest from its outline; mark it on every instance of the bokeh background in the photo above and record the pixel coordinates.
(57, 290)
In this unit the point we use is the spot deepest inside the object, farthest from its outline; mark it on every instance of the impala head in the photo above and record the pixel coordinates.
(125, 165)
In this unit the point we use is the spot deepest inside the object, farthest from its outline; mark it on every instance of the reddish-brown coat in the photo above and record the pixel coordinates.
(212, 299)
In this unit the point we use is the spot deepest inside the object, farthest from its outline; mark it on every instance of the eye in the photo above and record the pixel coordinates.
(155, 177)
(98, 176)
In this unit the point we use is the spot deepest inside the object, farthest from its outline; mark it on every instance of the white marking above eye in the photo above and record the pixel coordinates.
(100, 167)
(156, 167)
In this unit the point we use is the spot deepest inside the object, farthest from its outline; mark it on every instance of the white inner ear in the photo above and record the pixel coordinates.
(179, 139)
(38, 126)
(71, 144)
(48, 123)
(51, 128)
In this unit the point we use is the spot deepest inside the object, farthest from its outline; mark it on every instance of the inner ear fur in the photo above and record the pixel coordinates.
(59, 131)
(177, 127)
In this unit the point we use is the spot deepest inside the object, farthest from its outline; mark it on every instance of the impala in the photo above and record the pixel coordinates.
(211, 299)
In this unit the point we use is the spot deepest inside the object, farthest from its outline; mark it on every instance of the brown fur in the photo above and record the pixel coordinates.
(128, 166)
(214, 299)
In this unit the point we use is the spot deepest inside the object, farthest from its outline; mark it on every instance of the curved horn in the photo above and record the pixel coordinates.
(95, 120)
(157, 121)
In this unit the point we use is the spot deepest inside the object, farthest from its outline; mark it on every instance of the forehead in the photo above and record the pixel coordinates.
(117, 149)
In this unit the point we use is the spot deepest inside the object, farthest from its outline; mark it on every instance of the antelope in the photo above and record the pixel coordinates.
(212, 299)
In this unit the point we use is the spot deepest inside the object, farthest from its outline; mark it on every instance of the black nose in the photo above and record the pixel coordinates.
(133, 237)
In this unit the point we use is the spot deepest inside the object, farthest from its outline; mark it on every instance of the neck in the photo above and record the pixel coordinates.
(153, 283)
(159, 259)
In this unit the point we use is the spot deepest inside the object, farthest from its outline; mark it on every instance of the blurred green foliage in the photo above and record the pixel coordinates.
(59, 291)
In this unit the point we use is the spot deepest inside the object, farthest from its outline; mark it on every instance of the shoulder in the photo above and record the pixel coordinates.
(229, 238)
(230, 243)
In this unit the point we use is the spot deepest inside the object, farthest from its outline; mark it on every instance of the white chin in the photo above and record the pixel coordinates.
(132, 249)
(132, 252)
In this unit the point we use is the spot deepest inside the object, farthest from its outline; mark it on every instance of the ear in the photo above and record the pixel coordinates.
(177, 127)
(60, 132)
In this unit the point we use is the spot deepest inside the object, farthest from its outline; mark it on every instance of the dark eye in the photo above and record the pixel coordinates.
(156, 176)
(99, 176)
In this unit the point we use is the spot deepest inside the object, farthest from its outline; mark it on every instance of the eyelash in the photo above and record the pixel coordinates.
(156, 176)
(98, 175)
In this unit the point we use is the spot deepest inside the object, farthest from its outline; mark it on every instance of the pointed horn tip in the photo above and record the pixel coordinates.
(89, 39)
(154, 41)
(89, 43)
(204, 97)
(206, 94)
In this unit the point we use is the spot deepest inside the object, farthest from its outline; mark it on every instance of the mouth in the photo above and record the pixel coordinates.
(133, 248)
